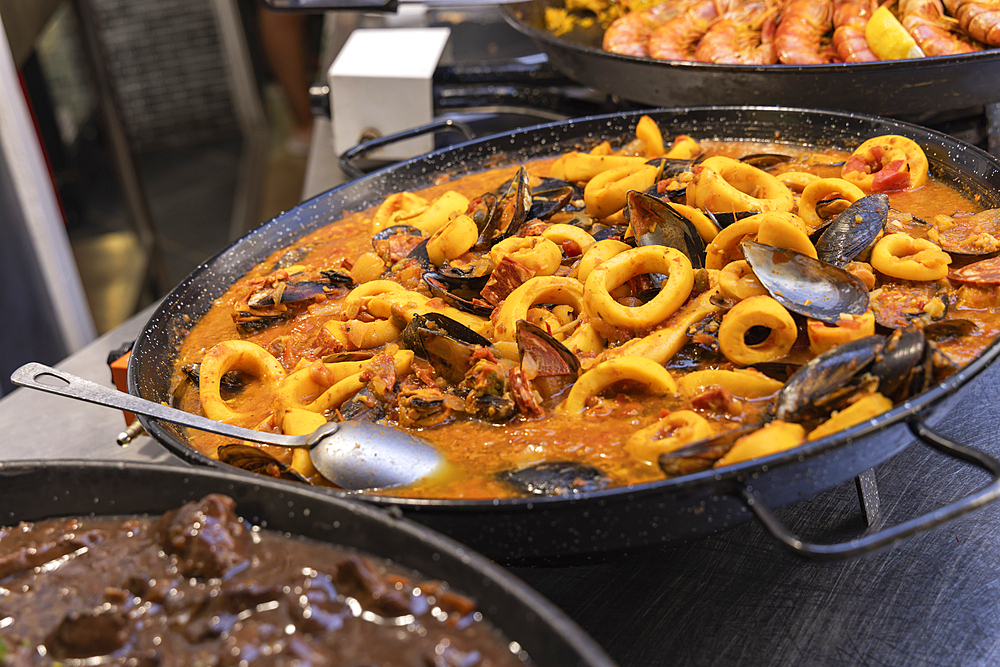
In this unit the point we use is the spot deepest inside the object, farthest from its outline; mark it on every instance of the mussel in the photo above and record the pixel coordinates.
(547, 363)
(805, 285)
(701, 455)
(506, 215)
(556, 478)
(448, 345)
(462, 292)
(765, 161)
(655, 222)
(257, 460)
(854, 230)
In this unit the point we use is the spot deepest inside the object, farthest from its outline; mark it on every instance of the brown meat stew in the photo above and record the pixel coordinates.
(201, 587)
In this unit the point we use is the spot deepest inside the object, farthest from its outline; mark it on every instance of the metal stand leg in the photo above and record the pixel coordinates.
(993, 128)
(868, 494)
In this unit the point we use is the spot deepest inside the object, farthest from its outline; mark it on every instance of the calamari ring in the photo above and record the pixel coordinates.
(822, 189)
(576, 167)
(672, 432)
(797, 180)
(440, 211)
(607, 192)
(585, 339)
(773, 437)
(757, 311)
(357, 296)
(535, 252)
(777, 228)
(648, 132)
(902, 256)
(737, 281)
(402, 305)
(655, 377)
(452, 240)
(706, 228)
(396, 208)
(597, 254)
(741, 382)
(341, 390)
(684, 148)
(361, 335)
(823, 336)
(240, 355)
(723, 185)
(560, 233)
(600, 305)
(864, 408)
(886, 163)
(540, 289)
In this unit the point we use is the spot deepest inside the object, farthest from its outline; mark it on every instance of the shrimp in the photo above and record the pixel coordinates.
(628, 34)
(849, 20)
(926, 22)
(742, 36)
(799, 35)
(677, 38)
(979, 18)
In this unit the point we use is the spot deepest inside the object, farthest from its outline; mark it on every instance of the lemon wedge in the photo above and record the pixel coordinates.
(888, 39)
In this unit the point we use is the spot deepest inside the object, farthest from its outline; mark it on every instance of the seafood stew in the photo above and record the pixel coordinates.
(558, 417)
(200, 586)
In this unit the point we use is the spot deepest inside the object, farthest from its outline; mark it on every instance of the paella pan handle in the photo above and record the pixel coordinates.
(885, 537)
(445, 124)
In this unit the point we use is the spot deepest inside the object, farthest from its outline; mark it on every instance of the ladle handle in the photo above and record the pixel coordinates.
(91, 392)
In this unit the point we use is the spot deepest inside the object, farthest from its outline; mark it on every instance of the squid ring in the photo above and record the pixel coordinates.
(354, 300)
(706, 228)
(600, 305)
(540, 289)
(440, 211)
(723, 184)
(886, 163)
(777, 228)
(576, 167)
(773, 437)
(607, 192)
(741, 382)
(655, 377)
(452, 240)
(797, 180)
(535, 252)
(359, 335)
(560, 233)
(823, 336)
(231, 355)
(902, 256)
(757, 311)
(648, 132)
(825, 188)
(396, 208)
(737, 281)
(597, 254)
(668, 434)
(863, 409)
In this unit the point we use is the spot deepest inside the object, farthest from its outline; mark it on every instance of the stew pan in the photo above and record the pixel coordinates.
(35, 490)
(624, 517)
(900, 88)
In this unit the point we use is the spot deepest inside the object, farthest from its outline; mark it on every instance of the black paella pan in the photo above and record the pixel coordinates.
(626, 517)
(37, 490)
(899, 88)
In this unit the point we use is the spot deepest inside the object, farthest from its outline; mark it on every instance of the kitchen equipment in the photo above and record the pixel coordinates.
(35, 490)
(627, 517)
(352, 455)
(891, 88)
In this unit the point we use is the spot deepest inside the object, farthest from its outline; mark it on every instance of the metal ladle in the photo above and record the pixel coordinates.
(352, 455)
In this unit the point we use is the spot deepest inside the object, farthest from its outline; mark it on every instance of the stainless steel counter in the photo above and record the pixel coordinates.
(733, 598)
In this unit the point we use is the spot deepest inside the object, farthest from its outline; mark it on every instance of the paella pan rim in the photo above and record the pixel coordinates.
(163, 325)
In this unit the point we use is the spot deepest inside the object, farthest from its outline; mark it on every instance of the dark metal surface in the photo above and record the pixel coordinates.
(900, 88)
(731, 599)
(615, 519)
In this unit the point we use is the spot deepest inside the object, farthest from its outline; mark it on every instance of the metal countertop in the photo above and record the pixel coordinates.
(735, 598)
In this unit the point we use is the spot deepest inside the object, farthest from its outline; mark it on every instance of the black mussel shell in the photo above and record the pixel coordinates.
(723, 220)
(824, 375)
(419, 254)
(548, 356)
(509, 214)
(701, 455)
(496, 409)
(949, 329)
(258, 461)
(805, 285)
(448, 345)
(655, 222)
(765, 161)
(459, 291)
(356, 355)
(385, 233)
(556, 478)
(670, 167)
(231, 381)
(551, 196)
(902, 355)
(338, 278)
(362, 407)
(851, 232)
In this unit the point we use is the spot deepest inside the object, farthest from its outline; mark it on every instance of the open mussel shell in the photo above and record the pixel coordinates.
(723, 219)
(900, 306)
(555, 478)
(670, 167)
(949, 329)
(765, 161)
(854, 230)
(552, 195)
(508, 214)
(459, 291)
(546, 355)
(386, 232)
(824, 375)
(805, 285)
(655, 222)
(701, 455)
(258, 461)
(903, 352)
(445, 343)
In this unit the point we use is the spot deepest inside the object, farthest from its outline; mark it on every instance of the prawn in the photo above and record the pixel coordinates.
(742, 36)
(798, 38)
(628, 34)
(849, 20)
(979, 18)
(926, 22)
(677, 38)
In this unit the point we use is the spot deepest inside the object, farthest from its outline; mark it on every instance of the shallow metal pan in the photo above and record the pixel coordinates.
(627, 517)
(900, 88)
(36, 490)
